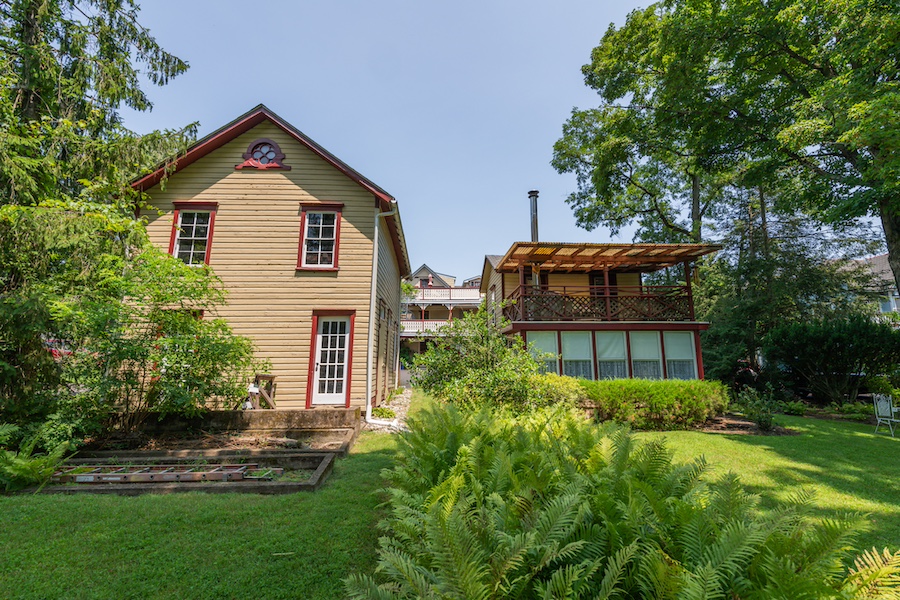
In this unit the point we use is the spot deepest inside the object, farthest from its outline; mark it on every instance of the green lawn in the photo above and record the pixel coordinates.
(847, 468)
(197, 545)
(303, 545)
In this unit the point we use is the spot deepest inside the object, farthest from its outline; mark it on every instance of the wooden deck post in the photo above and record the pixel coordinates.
(606, 294)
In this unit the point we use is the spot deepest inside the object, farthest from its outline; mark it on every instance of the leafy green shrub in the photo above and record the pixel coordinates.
(856, 411)
(881, 384)
(23, 468)
(830, 354)
(473, 364)
(794, 408)
(546, 505)
(758, 406)
(651, 404)
(549, 389)
(383, 412)
(126, 313)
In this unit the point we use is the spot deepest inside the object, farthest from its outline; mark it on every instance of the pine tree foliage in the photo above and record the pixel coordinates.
(546, 505)
(66, 69)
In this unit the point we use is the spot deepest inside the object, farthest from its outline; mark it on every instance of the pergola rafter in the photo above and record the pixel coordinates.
(583, 258)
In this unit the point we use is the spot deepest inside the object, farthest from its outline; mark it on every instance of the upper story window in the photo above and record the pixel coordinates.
(320, 229)
(192, 232)
(263, 154)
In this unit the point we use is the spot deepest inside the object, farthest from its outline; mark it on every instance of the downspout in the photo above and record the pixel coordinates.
(372, 317)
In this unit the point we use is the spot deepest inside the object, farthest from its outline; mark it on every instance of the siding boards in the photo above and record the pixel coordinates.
(254, 252)
(388, 293)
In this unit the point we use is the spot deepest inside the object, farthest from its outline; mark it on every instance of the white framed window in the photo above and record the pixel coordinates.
(577, 355)
(681, 360)
(646, 357)
(542, 344)
(320, 234)
(611, 355)
(192, 232)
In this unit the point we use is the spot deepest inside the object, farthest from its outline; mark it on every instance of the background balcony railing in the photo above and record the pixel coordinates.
(418, 327)
(601, 303)
(454, 294)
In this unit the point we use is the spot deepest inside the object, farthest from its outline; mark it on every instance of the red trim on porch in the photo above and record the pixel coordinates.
(605, 326)
(559, 359)
(628, 354)
(699, 353)
(662, 355)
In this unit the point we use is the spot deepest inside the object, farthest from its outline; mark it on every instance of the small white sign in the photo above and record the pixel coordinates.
(253, 389)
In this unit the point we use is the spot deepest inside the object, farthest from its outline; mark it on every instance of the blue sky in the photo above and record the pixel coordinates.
(453, 108)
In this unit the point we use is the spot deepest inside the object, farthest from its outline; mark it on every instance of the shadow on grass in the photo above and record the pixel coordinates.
(850, 468)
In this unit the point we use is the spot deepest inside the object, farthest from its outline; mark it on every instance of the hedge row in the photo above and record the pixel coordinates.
(653, 404)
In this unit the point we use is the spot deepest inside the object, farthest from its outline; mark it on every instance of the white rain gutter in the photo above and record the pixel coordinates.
(372, 317)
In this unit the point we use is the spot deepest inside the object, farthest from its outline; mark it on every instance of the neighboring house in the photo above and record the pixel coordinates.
(884, 279)
(586, 307)
(310, 251)
(436, 302)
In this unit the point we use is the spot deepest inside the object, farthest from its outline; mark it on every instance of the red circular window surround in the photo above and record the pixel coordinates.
(263, 154)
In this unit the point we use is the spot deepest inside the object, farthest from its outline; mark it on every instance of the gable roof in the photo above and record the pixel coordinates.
(248, 121)
(439, 278)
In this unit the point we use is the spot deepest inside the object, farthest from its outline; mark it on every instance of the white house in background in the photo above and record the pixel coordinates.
(436, 302)
(880, 268)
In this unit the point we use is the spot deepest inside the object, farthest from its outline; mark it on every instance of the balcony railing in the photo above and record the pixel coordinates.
(418, 327)
(454, 294)
(601, 303)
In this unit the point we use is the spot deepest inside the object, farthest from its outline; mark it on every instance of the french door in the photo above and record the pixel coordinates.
(331, 361)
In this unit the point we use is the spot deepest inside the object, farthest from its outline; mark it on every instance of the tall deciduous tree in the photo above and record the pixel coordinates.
(66, 68)
(811, 85)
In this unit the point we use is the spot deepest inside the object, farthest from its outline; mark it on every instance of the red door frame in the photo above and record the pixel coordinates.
(310, 377)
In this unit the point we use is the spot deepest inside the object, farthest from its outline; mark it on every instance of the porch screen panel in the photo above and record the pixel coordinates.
(576, 354)
(646, 361)
(681, 361)
(611, 356)
(542, 343)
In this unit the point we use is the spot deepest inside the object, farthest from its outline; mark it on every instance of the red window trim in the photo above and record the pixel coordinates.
(325, 207)
(310, 375)
(212, 207)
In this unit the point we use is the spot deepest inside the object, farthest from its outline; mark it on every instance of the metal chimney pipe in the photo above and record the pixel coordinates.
(533, 196)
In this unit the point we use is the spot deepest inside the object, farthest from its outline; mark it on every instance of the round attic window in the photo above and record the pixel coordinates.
(263, 154)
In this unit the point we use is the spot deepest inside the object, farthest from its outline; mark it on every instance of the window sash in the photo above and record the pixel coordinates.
(680, 369)
(544, 342)
(679, 344)
(192, 236)
(646, 355)
(320, 239)
(582, 369)
(646, 369)
(612, 369)
(610, 345)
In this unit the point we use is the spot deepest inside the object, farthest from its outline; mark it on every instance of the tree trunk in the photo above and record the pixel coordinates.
(890, 221)
(763, 223)
(696, 217)
(31, 38)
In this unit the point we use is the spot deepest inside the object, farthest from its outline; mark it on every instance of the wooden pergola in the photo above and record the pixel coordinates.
(584, 258)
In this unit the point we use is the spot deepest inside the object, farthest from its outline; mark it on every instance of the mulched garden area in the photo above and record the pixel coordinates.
(736, 424)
